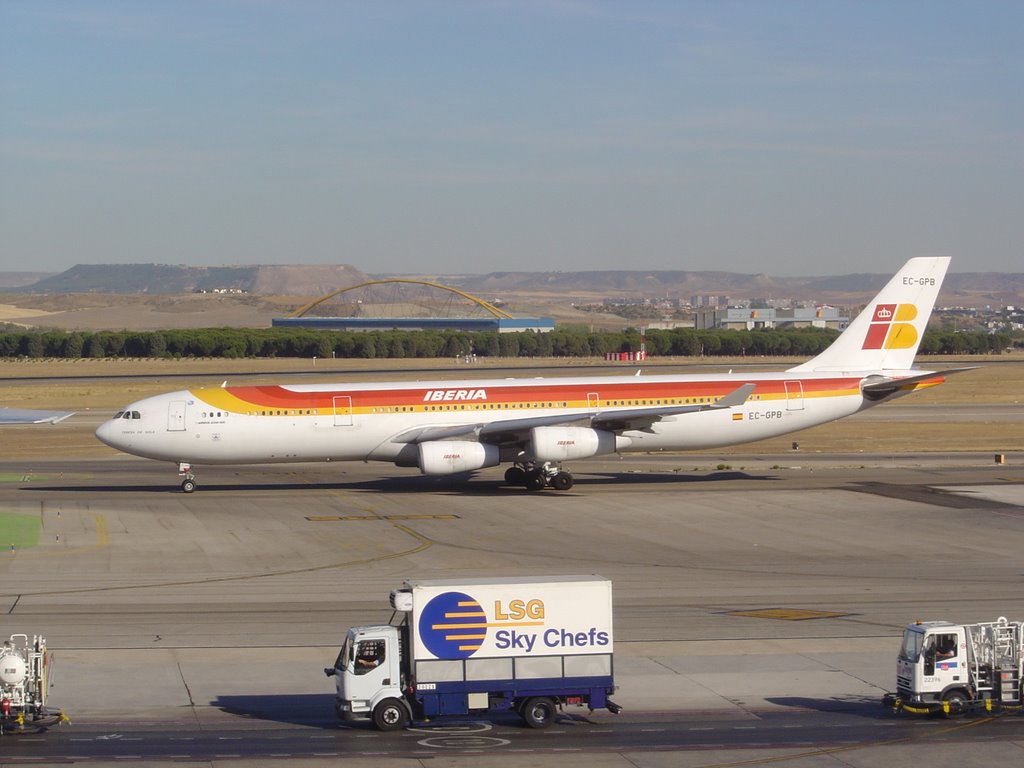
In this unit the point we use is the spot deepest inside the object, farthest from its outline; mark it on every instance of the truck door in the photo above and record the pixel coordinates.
(372, 669)
(943, 661)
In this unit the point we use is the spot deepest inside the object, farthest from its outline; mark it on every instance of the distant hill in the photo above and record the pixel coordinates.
(316, 280)
(14, 280)
(610, 281)
(992, 287)
(310, 280)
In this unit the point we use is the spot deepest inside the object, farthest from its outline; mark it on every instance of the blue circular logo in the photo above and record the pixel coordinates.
(453, 626)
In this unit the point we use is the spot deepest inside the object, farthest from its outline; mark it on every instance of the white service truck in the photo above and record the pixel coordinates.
(951, 668)
(24, 665)
(492, 645)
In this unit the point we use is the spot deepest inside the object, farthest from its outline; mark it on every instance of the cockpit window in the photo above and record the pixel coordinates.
(136, 415)
(119, 414)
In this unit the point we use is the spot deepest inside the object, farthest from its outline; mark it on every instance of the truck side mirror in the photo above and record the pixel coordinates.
(330, 671)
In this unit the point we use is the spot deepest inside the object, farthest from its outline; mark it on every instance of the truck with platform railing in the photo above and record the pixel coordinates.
(528, 646)
(24, 671)
(955, 668)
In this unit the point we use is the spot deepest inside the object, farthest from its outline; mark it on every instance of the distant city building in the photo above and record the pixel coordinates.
(668, 325)
(626, 301)
(708, 300)
(746, 318)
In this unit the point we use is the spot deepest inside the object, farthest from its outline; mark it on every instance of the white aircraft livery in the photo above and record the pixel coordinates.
(448, 427)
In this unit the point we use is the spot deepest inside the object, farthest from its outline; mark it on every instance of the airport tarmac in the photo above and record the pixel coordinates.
(214, 612)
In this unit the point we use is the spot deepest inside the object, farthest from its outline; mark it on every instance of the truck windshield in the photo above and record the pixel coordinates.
(345, 655)
(912, 643)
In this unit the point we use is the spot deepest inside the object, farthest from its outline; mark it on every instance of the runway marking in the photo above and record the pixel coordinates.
(423, 543)
(787, 614)
(347, 518)
(102, 539)
(845, 746)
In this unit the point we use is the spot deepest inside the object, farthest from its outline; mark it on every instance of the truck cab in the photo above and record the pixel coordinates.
(932, 666)
(369, 679)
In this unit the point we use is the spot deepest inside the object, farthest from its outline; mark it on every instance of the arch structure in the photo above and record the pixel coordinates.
(480, 303)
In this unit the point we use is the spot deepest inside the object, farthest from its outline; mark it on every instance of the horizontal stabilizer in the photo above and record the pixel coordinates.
(879, 387)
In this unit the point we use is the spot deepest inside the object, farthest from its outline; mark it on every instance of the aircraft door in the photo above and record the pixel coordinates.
(794, 395)
(176, 416)
(593, 401)
(343, 411)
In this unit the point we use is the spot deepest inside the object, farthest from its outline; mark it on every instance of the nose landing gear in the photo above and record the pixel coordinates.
(188, 483)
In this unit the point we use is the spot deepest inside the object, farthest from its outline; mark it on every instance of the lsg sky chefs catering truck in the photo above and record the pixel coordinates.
(455, 648)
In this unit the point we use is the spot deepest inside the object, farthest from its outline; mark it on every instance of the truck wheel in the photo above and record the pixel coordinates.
(390, 715)
(956, 702)
(538, 712)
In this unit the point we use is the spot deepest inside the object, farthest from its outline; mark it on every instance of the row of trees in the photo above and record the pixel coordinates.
(293, 342)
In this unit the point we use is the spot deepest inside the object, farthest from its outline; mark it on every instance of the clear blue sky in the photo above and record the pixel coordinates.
(764, 136)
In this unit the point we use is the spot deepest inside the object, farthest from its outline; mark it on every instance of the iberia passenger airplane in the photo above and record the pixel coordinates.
(447, 427)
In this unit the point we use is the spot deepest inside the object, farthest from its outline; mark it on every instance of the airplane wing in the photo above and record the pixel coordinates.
(879, 387)
(514, 431)
(25, 416)
(644, 418)
(492, 432)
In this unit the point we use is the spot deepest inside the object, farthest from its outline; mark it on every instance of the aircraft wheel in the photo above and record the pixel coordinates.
(515, 476)
(188, 486)
(535, 481)
(562, 481)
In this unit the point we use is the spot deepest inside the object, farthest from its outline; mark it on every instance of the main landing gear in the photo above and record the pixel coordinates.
(537, 477)
(188, 482)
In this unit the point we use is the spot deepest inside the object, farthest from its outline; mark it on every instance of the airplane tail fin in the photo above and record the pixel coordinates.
(887, 333)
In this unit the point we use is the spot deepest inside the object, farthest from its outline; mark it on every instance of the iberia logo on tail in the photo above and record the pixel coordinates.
(890, 327)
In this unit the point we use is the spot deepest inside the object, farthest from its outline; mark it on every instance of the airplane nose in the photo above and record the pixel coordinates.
(105, 433)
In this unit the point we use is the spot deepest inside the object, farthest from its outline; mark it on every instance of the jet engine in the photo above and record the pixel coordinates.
(564, 443)
(446, 457)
